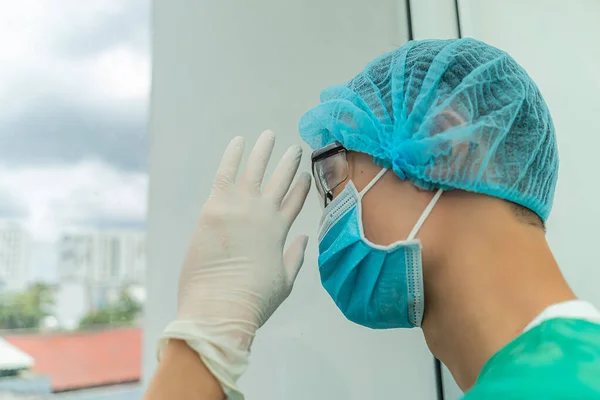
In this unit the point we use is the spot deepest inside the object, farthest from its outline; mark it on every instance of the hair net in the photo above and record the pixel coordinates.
(450, 114)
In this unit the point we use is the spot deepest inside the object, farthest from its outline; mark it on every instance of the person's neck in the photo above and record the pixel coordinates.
(485, 293)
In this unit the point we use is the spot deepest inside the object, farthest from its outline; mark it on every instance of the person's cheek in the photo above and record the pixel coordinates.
(339, 189)
(349, 175)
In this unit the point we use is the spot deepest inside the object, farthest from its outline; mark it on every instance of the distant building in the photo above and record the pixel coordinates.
(16, 378)
(15, 247)
(95, 266)
(73, 302)
(102, 257)
(13, 359)
(99, 365)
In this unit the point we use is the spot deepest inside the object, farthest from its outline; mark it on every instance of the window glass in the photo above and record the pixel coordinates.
(74, 81)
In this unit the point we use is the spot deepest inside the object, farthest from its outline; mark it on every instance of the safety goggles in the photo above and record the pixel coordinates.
(330, 169)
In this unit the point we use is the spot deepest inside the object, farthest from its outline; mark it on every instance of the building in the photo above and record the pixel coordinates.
(102, 257)
(95, 266)
(16, 378)
(13, 359)
(96, 365)
(15, 247)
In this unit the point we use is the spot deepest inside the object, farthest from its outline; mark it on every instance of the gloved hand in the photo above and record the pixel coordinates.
(235, 273)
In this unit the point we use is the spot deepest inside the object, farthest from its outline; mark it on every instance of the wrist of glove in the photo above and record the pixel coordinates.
(236, 274)
(223, 348)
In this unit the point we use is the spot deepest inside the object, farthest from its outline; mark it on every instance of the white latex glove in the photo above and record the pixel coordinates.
(235, 274)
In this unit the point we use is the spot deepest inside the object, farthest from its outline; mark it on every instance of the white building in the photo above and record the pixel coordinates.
(102, 257)
(94, 267)
(15, 247)
(14, 359)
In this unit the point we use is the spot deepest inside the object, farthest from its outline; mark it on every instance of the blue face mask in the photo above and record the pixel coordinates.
(380, 287)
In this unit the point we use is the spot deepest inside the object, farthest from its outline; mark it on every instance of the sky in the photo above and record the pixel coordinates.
(74, 85)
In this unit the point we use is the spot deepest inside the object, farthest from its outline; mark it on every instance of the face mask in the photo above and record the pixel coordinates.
(379, 287)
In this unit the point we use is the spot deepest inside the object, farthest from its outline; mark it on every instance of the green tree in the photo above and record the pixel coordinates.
(123, 313)
(26, 310)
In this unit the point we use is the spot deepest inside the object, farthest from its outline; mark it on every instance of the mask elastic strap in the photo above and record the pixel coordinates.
(425, 214)
(373, 182)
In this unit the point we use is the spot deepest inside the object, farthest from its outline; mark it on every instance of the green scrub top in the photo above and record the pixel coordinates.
(558, 359)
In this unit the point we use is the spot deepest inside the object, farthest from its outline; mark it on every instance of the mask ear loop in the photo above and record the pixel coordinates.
(373, 182)
(425, 214)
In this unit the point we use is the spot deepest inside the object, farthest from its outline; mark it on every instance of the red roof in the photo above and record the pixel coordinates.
(84, 359)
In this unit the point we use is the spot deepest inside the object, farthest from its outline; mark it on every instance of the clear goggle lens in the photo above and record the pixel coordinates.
(329, 173)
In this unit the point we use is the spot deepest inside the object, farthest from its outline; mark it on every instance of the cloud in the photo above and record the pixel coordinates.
(57, 132)
(85, 194)
(74, 84)
(109, 23)
(75, 81)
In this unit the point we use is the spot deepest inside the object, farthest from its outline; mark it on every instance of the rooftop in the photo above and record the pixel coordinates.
(78, 360)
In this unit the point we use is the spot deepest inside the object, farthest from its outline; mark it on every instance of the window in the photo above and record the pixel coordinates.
(73, 187)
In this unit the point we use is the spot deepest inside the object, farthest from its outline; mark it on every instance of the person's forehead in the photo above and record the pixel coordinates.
(361, 162)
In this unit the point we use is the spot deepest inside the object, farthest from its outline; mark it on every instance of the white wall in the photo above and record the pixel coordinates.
(224, 68)
(441, 24)
(557, 43)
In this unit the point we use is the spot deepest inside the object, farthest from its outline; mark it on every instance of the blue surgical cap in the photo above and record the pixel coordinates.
(449, 114)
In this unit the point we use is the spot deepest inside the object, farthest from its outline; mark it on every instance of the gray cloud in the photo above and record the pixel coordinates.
(129, 25)
(55, 131)
(58, 128)
(63, 105)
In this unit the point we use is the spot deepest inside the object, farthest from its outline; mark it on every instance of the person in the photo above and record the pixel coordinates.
(436, 166)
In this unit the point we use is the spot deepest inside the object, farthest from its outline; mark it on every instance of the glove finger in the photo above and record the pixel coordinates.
(230, 163)
(294, 201)
(282, 178)
(256, 166)
(294, 258)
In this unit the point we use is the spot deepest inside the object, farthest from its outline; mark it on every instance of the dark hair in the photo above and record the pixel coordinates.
(526, 216)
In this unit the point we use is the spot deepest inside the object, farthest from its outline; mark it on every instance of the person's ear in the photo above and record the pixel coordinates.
(448, 119)
(453, 145)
